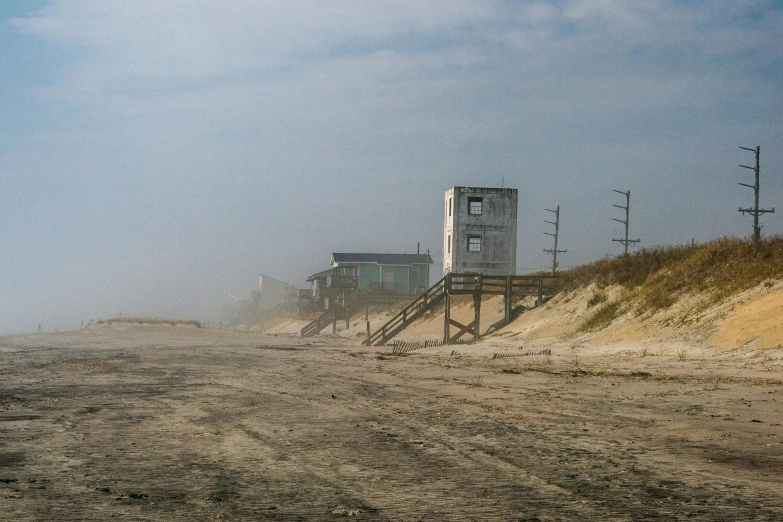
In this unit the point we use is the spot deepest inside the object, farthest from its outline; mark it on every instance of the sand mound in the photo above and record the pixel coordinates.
(749, 319)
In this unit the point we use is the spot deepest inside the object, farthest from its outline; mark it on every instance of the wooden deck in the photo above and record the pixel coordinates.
(511, 287)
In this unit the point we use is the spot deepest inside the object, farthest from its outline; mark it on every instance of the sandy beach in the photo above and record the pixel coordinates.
(145, 422)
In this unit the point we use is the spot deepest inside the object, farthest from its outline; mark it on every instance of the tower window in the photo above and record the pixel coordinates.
(474, 243)
(475, 206)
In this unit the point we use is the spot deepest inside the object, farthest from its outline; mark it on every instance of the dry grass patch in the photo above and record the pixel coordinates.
(596, 299)
(601, 317)
(476, 382)
(149, 320)
(655, 278)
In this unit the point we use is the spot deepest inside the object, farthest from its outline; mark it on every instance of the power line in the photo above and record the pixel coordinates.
(756, 211)
(722, 155)
(554, 251)
(625, 242)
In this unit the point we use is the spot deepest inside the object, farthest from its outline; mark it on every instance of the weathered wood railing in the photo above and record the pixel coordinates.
(410, 313)
(353, 303)
(477, 285)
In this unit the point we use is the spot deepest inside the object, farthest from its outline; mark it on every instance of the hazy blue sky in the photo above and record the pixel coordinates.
(156, 156)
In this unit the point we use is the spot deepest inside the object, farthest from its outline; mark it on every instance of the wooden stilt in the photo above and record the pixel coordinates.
(446, 318)
(447, 308)
(508, 299)
(477, 312)
(540, 299)
(334, 315)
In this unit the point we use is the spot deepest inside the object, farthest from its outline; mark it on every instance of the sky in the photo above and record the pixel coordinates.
(156, 156)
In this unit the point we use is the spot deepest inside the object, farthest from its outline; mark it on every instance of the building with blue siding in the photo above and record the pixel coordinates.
(393, 273)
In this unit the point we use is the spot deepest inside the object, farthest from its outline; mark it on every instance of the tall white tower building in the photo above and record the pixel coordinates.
(480, 231)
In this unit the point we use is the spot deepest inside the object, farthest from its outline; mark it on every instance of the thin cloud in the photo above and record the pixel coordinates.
(183, 147)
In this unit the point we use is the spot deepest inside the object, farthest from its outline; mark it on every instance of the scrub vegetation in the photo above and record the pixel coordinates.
(655, 278)
(149, 320)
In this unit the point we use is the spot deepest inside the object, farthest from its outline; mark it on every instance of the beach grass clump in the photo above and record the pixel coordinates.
(655, 278)
(150, 320)
(601, 317)
(596, 299)
(476, 382)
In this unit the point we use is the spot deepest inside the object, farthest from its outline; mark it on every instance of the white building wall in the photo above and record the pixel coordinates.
(493, 230)
(272, 292)
(448, 231)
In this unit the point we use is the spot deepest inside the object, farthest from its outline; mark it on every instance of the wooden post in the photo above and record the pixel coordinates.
(334, 315)
(345, 312)
(540, 300)
(477, 306)
(428, 268)
(447, 309)
(508, 299)
(477, 311)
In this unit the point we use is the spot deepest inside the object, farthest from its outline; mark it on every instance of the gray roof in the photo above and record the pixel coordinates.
(321, 275)
(382, 259)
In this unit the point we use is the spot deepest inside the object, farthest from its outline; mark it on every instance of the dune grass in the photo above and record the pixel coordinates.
(149, 320)
(654, 278)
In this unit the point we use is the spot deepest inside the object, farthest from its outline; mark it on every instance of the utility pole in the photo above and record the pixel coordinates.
(554, 251)
(627, 208)
(428, 269)
(755, 211)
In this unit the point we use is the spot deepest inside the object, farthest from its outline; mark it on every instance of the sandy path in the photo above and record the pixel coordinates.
(155, 423)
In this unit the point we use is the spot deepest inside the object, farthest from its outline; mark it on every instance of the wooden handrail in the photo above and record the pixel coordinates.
(417, 306)
(464, 283)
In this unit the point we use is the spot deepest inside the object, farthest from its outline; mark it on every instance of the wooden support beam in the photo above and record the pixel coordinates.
(540, 299)
(470, 328)
(477, 315)
(462, 326)
(508, 299)
(447, 317)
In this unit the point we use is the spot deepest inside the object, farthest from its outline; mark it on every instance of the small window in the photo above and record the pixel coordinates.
(474, 206)
(449, 207)
(474, 243)
(448, 246)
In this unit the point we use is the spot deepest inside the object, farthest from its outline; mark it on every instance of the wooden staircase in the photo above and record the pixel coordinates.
(426, 301)
(318, 324)
(511, 287)
(354, 303)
